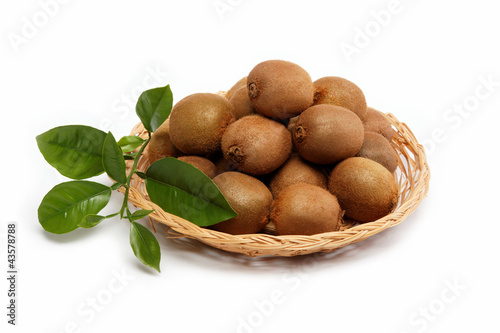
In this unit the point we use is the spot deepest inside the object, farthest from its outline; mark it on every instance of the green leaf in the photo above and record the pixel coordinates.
(181, 189)
(140, 174)
(113, 161)
(116, 186)
(74, 150)
(65, 206)
(91, 221)
(129, 143)
(145, 245)
(154, 106)
(139, 214)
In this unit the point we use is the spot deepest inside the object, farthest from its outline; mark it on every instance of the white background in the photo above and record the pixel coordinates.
(83, 64)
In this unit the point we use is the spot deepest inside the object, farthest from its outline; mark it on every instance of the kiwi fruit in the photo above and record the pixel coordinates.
(326, 134)
(241, 103)
(256, 145)
(365, 189)
(376, 122)
(198, 121)
(339, 91)
(160, 145)
(296, 170)
(378, 149)
(305, 209)
(221, 164)
(270, 229)
(291, 124)
(291, 127)
(241, 83)
(205, 165)
(280, 89)
(249, 197)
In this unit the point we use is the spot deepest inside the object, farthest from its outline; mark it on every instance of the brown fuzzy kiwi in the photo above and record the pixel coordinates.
(305, 209)
(249, 197)
(291, 128)
(296, 170)
(378, 149)
(241, 103)
(280, 89)
(205, 165)
(160, 145)
(376, 122)
(241, 83)
(364, 188)
(326, 134)
(198, 121)
(221, 164)
(256, 145)
(291, 124)
(339, 91)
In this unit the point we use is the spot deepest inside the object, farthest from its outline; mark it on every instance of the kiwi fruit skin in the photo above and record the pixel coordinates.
(376, 122)
(203, 164)
(291, 124)
(221, 164)
(241, 103)
(280, 89)
(241, 83)
(249, 197)
(305, 209)
(339, 91)
(256, 145)
(378, 149)
(365, 189)
(198, 121)
(326, 134)
(296, 170)
(160, 145)
(291, 127)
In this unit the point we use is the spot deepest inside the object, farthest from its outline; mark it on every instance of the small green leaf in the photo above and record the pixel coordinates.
(65, 205)
(129, 143)
(181, 189)
(154, 106)
(139, 214)
(145, 245)
(113, 161)
(91, 221)
(74, 150)
(128, 157)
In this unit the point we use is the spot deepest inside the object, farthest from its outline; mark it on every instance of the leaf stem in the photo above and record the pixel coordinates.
(129, 178)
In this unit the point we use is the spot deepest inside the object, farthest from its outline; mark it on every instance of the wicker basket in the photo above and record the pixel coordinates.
(412, 176)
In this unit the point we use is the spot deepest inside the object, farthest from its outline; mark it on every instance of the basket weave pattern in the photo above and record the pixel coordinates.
(412, 176)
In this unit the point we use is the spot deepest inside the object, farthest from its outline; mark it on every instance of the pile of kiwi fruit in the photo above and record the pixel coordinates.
(292, 156)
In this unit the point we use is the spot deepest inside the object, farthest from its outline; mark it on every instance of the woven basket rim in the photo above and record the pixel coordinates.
(413, 181)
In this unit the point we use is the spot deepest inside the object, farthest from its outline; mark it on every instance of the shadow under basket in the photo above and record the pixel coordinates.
(412, 176)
